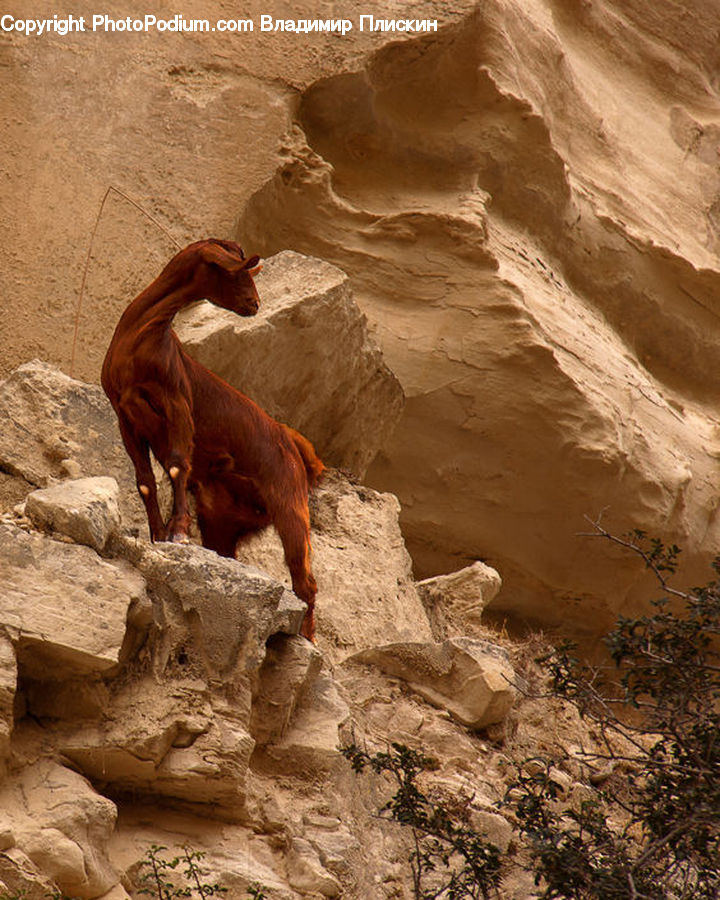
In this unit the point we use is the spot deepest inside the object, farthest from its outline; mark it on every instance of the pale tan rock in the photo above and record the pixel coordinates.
(55, 854)
(455, 602)
(311, 742)
(84, 509)
(307, 874)
(171, 740)
(229, 608)
(20, 875)
(493, 827)
(63, 826)
(471, 679)
(117, 892)
(552, 330)
(63, 606)
(297, 709)
(53, 426)
(306, 358)
(7, 837)
(241, 863)
(338, 849)
(290, 664)
(182, 730)
(8, 686)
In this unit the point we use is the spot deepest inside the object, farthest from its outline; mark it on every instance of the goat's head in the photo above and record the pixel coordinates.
(226, 277)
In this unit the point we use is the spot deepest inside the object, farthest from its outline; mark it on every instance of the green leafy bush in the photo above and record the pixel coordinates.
(658, 713)
(652, 831)
(449, 859)
(157, 878)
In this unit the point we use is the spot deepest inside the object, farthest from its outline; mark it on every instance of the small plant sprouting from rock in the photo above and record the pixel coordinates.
(157, 878)
(256, 892)
(449, 859)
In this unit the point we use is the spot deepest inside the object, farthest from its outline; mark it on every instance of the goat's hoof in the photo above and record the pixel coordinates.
(308, 632)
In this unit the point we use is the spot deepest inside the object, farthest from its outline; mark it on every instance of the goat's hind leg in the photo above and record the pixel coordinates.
(293, 527)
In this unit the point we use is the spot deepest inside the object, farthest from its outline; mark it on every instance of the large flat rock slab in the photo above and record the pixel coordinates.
(63, 605)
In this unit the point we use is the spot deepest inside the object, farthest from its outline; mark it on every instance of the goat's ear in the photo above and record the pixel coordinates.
(219, 256)
(253, 265)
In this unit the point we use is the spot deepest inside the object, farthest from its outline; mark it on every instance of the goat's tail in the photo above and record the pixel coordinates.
(313, 464)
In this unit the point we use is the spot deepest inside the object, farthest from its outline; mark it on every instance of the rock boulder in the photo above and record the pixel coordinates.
(53, 427)
(63, 606)
(62, 825)
(84, 509)
(471, 679)
(455, 602)
(306, 358)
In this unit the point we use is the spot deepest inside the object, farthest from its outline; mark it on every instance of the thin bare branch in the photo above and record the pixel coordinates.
(111, 190)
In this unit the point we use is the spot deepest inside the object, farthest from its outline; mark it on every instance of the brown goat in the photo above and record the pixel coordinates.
(244, 469)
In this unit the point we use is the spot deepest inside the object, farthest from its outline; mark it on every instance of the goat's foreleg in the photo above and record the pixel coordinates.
(176, 461)
(139, 454)
(166, 428)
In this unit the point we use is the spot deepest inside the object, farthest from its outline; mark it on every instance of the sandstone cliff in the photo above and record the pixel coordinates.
(525, 210)
(526, 205)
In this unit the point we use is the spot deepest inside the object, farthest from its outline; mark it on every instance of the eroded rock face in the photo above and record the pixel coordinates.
(53, 427)
(231, 609)
(455, 602)
(61, 605)
(298, 711)
(503, 221)
(180, 729)
(343, 396)
(290, 665)
(63, 826)
(8, 683)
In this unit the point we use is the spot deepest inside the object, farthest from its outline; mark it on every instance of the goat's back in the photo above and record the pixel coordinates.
(230, 426)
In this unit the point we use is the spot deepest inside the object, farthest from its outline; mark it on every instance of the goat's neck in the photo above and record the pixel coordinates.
(157, 305)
